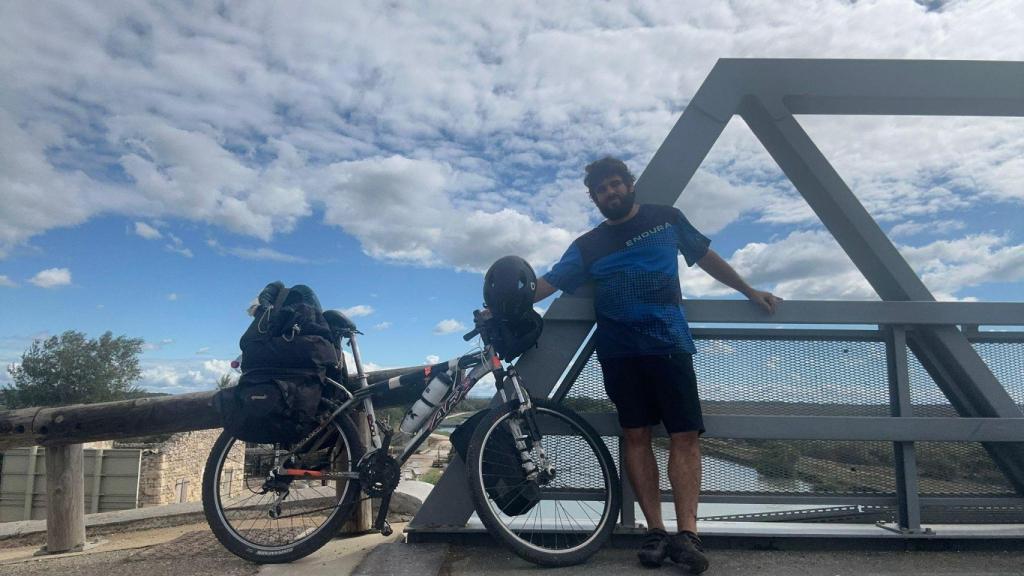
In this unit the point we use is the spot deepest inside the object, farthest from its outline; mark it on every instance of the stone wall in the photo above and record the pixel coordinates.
(172, 471)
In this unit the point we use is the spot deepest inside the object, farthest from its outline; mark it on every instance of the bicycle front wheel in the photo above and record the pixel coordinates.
(280, 519)
(573, 512)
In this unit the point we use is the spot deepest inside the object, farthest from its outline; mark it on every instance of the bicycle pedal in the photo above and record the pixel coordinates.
(386, 529)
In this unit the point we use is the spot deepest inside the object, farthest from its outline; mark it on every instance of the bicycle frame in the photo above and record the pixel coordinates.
(468, 369)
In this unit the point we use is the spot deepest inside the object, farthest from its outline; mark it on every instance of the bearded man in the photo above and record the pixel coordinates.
(644, 345)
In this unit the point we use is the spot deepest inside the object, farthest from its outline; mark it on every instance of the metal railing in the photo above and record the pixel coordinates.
(839, 416)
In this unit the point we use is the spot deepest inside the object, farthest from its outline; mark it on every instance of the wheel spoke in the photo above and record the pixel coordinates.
(241, 516)
(564, 526)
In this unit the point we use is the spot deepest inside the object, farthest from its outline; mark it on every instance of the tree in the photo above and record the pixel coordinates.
(226, 381)
(72, 369)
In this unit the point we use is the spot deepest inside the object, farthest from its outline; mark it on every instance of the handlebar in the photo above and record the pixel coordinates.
(480, 319)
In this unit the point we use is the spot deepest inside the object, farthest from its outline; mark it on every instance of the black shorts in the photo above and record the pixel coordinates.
(648, 390)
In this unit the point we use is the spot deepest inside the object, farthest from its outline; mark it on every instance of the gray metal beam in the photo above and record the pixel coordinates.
(878, 428)
(884, 87)
(905, 456)
(689, 141)
(885, 269)
(927, 313)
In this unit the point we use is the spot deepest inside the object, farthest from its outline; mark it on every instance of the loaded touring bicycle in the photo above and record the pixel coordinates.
(541, 479)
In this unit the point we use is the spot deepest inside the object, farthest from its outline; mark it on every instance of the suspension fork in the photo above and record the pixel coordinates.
(528, 439)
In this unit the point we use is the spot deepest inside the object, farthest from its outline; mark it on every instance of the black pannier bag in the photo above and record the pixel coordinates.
(504, 478)
(272, 407)
(287, 351)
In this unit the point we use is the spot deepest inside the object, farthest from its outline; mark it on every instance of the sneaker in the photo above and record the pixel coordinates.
(654, 549)
(686, 548)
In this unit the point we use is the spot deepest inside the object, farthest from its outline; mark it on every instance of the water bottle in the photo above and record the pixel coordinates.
(432, 394)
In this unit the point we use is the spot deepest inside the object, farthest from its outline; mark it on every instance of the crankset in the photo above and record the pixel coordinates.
(379, 474)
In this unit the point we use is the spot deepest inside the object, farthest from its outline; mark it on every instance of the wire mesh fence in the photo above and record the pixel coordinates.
(821, 376)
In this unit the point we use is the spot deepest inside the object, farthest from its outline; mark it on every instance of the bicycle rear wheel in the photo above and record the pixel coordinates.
(280, 520)
(576, 510)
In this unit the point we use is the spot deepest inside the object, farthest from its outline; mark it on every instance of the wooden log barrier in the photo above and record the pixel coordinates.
(82, 423)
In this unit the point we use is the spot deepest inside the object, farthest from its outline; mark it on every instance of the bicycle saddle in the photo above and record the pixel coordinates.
(339, 323)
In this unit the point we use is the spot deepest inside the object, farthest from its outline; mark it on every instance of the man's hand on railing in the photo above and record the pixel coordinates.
(765, 300)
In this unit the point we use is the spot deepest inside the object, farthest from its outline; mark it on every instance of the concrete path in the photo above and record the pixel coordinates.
(473, 560)
(192, 550)
(186, 550)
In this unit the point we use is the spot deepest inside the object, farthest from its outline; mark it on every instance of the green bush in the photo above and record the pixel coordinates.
(431, 476)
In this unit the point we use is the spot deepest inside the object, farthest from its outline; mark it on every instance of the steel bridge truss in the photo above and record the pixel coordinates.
(767, 94)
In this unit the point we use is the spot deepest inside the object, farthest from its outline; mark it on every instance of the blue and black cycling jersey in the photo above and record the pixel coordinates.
(635, 269)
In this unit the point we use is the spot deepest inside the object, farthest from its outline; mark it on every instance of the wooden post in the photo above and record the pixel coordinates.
(97, 481)
(65, 499)
(362, 518)
(30, 482)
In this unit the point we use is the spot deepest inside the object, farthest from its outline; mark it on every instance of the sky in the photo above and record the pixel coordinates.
(160, 162)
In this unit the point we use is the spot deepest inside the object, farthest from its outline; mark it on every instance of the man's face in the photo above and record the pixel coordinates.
(613, 197)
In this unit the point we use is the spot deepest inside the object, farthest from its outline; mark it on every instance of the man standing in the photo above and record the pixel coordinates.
(644, 344)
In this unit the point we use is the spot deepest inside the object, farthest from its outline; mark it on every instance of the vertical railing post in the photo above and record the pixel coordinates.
(628, 496)
(65, 499)
(908, 502)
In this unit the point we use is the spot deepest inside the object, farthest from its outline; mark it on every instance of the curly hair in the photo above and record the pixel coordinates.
(599, 170)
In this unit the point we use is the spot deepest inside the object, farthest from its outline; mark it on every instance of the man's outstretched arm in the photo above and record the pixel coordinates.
(544, 289)
(720, 270)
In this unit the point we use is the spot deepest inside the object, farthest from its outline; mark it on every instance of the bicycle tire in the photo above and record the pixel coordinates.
(581, 460)
(246, 528)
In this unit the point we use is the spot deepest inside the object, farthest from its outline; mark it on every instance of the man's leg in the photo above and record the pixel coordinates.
(684, 472)
(642, 469)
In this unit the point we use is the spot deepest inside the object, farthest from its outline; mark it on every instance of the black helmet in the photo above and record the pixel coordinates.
(509, 287)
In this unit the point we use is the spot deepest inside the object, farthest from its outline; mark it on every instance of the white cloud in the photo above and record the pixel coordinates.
(914, 227)
(7, 282)
(261, 253)
(186, 252)
(402, 210)
(803, 265)
(382, 325)
(811, 265)
(357, 311)
(485, 387)
(465, 141)
(146, 231)
(173, 296)
(177, 246)
(432, 359)
(217, 367)
(175, 378)
(152, 346)
(367, 365)
(203, 351)
(183, 375)
(951, 266)
(448, 326)
(52, 278)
